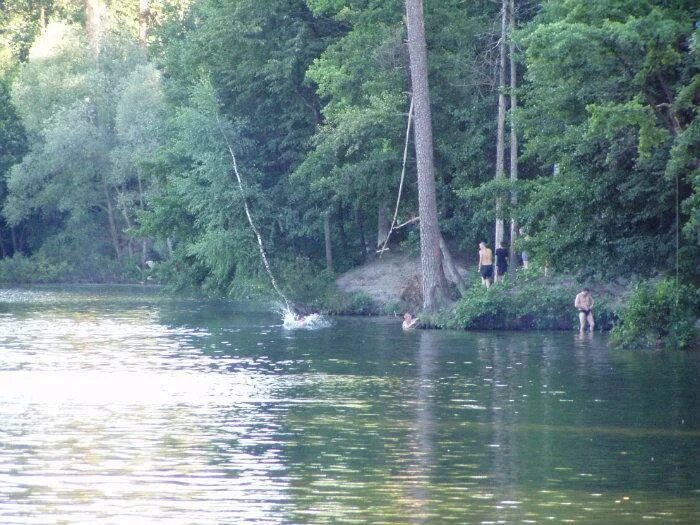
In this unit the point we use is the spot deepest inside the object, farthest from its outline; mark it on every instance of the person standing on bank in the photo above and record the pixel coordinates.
(501, 261)
(584, 304)
(485, 264)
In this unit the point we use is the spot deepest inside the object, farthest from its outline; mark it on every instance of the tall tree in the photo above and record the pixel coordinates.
(500, 134)
(434, 284)
(513, 132)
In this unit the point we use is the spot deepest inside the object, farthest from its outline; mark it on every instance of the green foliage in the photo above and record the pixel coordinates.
(54, 267)
(110, 159)
(528, 302)
(606, 101)
(659, 314)
(21, 269)
(92, 122)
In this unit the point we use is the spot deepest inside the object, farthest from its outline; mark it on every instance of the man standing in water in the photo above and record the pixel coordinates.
(584, 304)
(485, 264)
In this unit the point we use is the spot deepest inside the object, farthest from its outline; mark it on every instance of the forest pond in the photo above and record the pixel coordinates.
(122, 405)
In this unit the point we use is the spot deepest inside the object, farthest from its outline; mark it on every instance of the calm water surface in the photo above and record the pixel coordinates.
(121, 406)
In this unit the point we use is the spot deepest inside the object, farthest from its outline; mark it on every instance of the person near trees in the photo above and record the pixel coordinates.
(408, 321)
(501, 261)
(524, 255)
(584, 304)
(485, 264)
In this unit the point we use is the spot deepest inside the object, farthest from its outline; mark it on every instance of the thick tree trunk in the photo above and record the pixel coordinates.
(500, 135)
(94, 23)
(433, 278)
(513, 137)
(327, 239)
(450, 268)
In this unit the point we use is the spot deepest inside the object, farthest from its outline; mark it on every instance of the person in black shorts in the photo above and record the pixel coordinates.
(584, 304)
(485, 264)
(501, 261)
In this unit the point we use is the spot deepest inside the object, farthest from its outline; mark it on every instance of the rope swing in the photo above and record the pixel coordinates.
(403, 174)
(263, 255)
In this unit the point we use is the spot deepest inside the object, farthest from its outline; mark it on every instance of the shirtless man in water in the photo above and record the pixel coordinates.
(408, 321)
(584, 304)
(485, 264)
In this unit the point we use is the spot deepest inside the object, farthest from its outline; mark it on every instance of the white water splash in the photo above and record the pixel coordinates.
(292, 321)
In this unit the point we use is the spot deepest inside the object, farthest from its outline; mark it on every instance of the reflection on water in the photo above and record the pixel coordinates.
(120, 406)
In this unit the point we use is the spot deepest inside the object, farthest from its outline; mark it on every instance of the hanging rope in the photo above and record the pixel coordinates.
(250, 218)
(403, 173)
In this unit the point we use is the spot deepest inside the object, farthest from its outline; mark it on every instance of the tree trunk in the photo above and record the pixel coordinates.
(142, 205)
(513, 138)
(327, 239)
(112, 222)
(360, 218)
(13, 234)
(433, 278)
(450, 268)
(43, 18)
(344, 242)
(94, 24)
(500, 136)
(383, 224)
(129, 244)
(144, 18)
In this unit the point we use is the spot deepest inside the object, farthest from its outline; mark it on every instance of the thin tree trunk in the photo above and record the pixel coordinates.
(360, 218)
(112, 222)
(513, 138)
(13, 234)
(500, 135)
(144, 18)
(129, 244)
(142, 205)
(342, 235)
(383, 224)
(434, 284)
(327, 239)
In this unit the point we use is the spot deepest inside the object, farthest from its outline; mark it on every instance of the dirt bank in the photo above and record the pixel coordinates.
(386, 280)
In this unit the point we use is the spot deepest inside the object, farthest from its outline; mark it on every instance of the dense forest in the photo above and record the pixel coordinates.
(573, 122)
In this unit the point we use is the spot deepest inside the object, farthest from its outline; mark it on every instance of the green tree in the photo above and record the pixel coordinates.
(254, 57)
(78, 174)
(608, 102)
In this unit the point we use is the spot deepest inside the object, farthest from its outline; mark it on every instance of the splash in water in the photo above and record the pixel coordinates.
(292, 321)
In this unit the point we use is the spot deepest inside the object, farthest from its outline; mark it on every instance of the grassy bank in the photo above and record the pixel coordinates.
(39, 269)
(529, 302)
